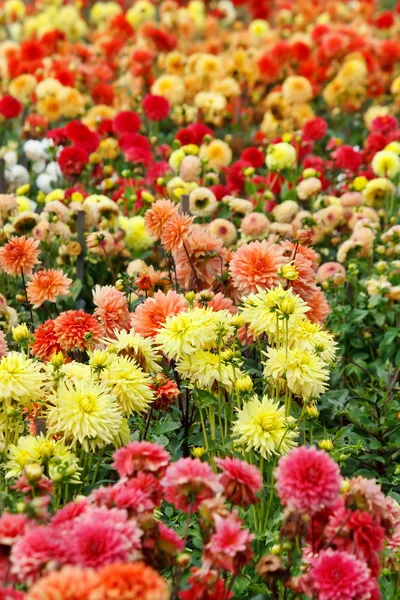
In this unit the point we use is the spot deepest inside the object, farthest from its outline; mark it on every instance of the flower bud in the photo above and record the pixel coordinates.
(21, 334)
(184, 560)
(33, 472)
(119, 285)
(326, 444)
(198, 452)
(57, 359)
(243, 384)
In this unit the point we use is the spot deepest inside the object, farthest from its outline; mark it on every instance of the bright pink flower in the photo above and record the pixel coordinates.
(71, 511)
(188, 481)
(337, 575)
(32, 552)
(229, 547)
(169, 539)
(112, 309)
(12, 527)
(240, 480)
(140, 456)
(307, 480)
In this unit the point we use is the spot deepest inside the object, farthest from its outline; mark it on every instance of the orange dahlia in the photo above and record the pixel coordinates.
(149, 316)
(176, 231)
(71, 583)
(47, 285)
(20, 254)
(45, 343)
(256, 266)
(112, 309)
(132, 581)
(77, 330)
(157, 216)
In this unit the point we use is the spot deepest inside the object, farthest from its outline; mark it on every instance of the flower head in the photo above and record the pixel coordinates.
(158, 215)
(307, 480)
(47, 284)
(255, 266)
(188, 481)
(176, 231)
(19, 255)
(241, 481)
(262, 425)
(140, 456)
(20, 378)
(76, 329)
(129, 384)
(46, 341)
(132, 580)
(86, 412)
(70, 583)
(229, 547)
(150, 316)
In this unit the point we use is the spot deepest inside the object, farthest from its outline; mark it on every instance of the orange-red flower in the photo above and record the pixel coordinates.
(47, 285)
(45, 343)
(132, 581)
(77, 330)
(255, 266)
(19, 255)
(149, 316)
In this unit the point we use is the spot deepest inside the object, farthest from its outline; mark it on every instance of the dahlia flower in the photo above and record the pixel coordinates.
(241, 481)
(150, 316)
(129, 384)
(76, 330)
(70, 583)
(47, 284)
(132, 580)
(112, 309)
(20, 378)
(255, 266)
(140, 456)
(19, 255)
(229, 547)
(261, 425)
(307, 480)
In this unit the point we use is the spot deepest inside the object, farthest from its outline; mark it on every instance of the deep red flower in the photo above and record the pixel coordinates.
(269, 69)
(385, 20)
(156, 108)
(72, 161)
(81, 136)
(103, 93)
(315, 129)
(347, 158)
(254, 156)
(126, 122)
(10, 107)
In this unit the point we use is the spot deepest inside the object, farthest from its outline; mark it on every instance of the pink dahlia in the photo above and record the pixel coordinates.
(337, 575)
(11, 528)
(100, 537)
(32, 552)
(71, 511)
(255, 266)
(149, 316)
(229, 547)
(112, 309)
(188, 481)
(241, 481)
(140, 456)
(307, 480)
(3, 344)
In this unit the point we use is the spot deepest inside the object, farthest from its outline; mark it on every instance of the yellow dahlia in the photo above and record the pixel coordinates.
(140, 349)
(20, 378)
(129, 384)
(261, 425)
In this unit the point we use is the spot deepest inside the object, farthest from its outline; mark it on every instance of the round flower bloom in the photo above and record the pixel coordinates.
(190, 168)
(255, 266)
(255, 225)
(47, 284)
(12, 526)
(308, 187)
(76, 329)
(315, 129)
(310, 337)
(46, 341)
(241, 481)
(375, 192)
(138, 348)
(188, 481)
(202, 202)
(72, 160)
(386, 164)
(156, 108)
(285, 212)
(216, 154)
(8, 204)
(86, 412)
(224, 230)
(129, 384)
(126, 122)
(70, 583)
(140, 456)
(171, 87)
(112, 309)
(335, 574)
(157, 217)
(149, 316)
(136, 236)
(281, 156)
(19, 255)
(304, 372)
(308, 480)
(261, 425)
(132, 580)
(10, 107)
(176, 231)
(206, 370)
(20, 378)
(297, 90)
(331, 271)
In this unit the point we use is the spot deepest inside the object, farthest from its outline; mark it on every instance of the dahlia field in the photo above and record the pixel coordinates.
(199, 300)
